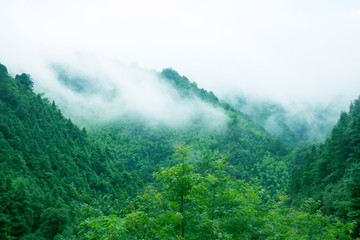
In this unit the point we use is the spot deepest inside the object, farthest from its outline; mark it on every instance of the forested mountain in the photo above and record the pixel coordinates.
(330, 172)
(48, 165)
(252, 152)
(122, 180)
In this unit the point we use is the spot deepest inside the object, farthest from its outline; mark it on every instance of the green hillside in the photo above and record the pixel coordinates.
(48, 165)
(330, 172)
(147, 148)
(128, 179)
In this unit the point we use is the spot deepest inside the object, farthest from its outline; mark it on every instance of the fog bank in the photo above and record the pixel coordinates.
(98, 90)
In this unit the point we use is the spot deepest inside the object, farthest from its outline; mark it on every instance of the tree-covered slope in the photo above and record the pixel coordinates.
(187, 88)
(252, 152)
(330, 172)
(120, 179)
(202, 201)
(47, 164)
(55, 165)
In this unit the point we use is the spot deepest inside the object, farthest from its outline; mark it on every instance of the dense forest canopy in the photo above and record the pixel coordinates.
(128, 179)
(330, 172)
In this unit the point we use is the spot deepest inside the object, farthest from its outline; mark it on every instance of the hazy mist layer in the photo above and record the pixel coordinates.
(303, 54)
(309, 121)
(92, 89)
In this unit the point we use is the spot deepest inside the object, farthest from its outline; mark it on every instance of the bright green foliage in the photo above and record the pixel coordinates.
(306, 223)
(273, 174)
(187, 204)
(190, 205)
(103, 227)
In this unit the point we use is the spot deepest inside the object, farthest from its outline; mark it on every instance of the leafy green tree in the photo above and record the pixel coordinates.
(273, 174)
(188, 203)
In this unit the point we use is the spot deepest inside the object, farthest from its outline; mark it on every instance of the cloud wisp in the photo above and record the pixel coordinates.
(93, 89)
(289, 51)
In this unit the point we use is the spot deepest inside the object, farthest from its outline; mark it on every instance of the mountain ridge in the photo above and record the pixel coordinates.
(58, 177)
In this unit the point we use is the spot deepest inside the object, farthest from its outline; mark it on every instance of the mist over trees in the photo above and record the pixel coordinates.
(292, 123)
(86, 87)
(217, 177)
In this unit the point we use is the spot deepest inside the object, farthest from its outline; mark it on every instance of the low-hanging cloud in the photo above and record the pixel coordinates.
(93, 89)
(293, 52)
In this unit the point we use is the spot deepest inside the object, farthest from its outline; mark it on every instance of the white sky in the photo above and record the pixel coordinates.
(283, 49)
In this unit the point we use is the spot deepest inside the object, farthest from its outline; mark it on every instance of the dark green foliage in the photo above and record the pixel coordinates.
(330, 172)
(25, 80)
(54, 221)
(47, 163)
(3, 69)
(185, 88)
(7, 88)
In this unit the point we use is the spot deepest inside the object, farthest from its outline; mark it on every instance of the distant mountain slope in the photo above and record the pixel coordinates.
(252, 152)
(183, 85)
(309, 123)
